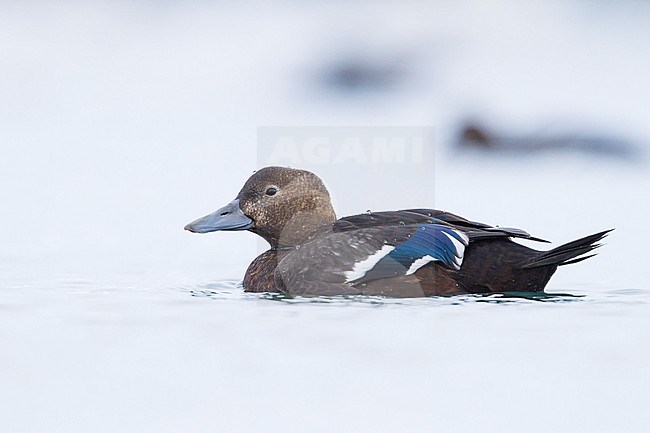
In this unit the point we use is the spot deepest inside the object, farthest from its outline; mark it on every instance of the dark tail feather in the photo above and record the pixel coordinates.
(568, 253)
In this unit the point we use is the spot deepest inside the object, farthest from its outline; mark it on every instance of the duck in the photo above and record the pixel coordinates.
(403, 254)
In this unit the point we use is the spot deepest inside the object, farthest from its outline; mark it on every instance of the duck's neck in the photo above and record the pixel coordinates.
(297, 229)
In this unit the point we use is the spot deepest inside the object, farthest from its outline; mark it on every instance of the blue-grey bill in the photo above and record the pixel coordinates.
(229, 217)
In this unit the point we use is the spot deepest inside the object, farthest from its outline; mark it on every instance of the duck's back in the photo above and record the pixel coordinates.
(415, 253)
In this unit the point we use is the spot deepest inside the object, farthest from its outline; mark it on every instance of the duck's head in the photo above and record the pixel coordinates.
(283, 205)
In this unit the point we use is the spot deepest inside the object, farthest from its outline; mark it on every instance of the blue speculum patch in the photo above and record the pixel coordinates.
(429, 240)
(433, 240)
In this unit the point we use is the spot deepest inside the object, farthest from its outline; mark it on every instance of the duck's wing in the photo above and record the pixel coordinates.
(348, 259)
(474, 230)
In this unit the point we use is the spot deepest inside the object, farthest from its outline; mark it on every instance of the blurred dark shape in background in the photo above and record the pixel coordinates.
(475, 135)
(363, 74)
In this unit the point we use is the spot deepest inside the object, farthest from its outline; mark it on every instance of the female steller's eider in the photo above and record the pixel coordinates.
(406, 253)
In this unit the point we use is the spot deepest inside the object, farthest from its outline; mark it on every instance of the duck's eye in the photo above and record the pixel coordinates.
(271, 190)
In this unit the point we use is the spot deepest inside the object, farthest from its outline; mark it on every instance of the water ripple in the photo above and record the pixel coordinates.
(232, 290)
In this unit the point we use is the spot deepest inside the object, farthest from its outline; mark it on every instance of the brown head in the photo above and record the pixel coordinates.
(283, 205)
